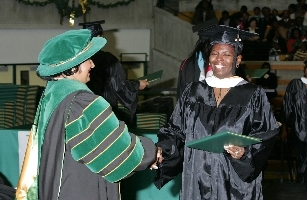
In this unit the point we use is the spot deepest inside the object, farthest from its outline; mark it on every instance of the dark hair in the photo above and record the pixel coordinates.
(253, 19)
(295, 29)
(257, 8)
(266, 64)
(225, 12)
(292, 6)
(202, 46)
(244, 8)
(67, 72)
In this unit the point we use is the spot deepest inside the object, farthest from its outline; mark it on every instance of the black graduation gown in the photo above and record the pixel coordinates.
(245, 109)
(189, 72)
(109, 80)
(294, 110)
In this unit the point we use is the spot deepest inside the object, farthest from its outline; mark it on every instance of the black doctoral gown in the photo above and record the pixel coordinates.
(294, 108)
(244, 110)
(109, 80)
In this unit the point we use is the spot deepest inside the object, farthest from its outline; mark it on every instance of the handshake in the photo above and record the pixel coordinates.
(158, 160)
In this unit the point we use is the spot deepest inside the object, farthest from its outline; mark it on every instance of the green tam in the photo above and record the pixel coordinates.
(68, 50)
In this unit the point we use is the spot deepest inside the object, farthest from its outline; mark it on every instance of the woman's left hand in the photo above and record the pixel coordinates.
(235, 151)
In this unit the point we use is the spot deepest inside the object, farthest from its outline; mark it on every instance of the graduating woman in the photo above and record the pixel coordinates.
(223, 102)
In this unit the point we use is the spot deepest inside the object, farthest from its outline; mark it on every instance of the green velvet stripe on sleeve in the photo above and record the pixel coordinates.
(102, 143)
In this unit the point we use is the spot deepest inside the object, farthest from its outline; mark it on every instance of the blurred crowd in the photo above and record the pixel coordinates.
(281, 32)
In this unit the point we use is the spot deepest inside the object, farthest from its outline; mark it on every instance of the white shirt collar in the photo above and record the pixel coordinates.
(304, 80)
(213, 81)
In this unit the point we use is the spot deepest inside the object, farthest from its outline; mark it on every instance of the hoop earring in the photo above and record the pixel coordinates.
(237, 66)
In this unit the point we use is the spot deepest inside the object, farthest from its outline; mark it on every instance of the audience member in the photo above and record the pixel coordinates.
(301, 53)
(202, 13)
(265, 22)
(253, 28)
(285, 21)
(299, 5)
(276, 14)
(256, 13)
(225, 18)
(271, 35)
(243, 22)
(253, 47)
(298, 24)
(292, 11)
(268, 81)
(274, 52)
(304, 13)
(295, 41)
(235, 17)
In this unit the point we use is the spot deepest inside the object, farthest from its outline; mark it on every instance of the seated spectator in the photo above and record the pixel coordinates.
(292, 11)
(253, 28)
(265, 22)
(276, 14)
(243, 23)
(276, 42)
(301, 53)
(252, 46)
(274, 52)
(295, 41)
(298, 24)
(268, 81)
(225, 18)
(304, 13)
(202, 13)
(285, 21)
(235, 17)
(299, 5)
(256, 13)
(272, 31)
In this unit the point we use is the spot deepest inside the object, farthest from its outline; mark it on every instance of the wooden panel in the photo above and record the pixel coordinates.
(186, 16)
(283, 82)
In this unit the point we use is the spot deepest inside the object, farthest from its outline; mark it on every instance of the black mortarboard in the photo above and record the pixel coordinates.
(94, 27)
(221, 34)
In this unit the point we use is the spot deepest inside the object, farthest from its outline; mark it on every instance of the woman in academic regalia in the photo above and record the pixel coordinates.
(222, 102)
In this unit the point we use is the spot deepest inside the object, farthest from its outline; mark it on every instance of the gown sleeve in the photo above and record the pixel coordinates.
(171, 139)
(97, 139)
(263, 125)
(287, 104)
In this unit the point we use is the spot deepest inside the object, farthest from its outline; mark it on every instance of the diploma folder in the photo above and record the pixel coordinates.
(152, 77)
(256, 73)
(215, 143)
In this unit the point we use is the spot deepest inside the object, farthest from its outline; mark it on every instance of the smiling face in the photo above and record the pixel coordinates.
(221, 59)
(83, 74)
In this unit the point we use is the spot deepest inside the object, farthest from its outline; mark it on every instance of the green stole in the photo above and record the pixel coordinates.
(121, 155)
(53, 95)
